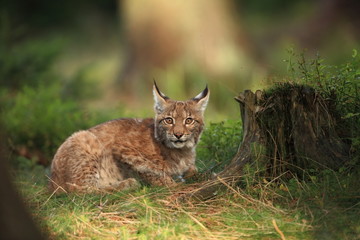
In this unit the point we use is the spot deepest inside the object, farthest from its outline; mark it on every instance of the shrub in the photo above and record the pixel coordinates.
(38, 119)
(218, 145)
(33, 112)
(28, 63)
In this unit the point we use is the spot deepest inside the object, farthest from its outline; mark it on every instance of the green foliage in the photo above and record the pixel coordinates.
(81, 87)
(38, 107)
(218, 145)
(40, 120)
(340, 84)
(28, 63)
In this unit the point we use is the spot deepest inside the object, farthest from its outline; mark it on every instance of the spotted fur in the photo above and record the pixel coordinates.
(121, 153)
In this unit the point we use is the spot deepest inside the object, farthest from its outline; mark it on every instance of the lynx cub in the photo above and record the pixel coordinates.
(117, 154)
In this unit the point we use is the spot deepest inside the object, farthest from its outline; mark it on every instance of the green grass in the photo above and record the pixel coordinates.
(155, 213)
(327, 207)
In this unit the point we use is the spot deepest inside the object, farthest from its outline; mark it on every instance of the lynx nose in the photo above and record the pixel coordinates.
(178, 135)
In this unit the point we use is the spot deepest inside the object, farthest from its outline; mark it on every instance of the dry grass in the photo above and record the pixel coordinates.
(157, 213)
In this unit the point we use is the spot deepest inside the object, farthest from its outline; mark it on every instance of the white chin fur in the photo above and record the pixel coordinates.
(187, 144)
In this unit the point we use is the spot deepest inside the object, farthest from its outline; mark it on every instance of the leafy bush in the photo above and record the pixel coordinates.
(40, 120)
(28, 63)
(218, 145)
(33, 112)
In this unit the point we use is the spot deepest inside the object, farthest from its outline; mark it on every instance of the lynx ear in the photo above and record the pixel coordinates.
(159, 98)
(202, 99)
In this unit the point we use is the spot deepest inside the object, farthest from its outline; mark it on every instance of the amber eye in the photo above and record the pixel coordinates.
(189, 121)
(168, 120)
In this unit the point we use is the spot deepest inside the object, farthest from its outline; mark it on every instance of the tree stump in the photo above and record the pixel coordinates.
(294, 124)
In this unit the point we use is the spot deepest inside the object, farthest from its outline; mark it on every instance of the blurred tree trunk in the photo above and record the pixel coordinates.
(295, 126)
(15, 221)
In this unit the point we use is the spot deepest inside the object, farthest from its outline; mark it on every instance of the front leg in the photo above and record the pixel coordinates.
(158, 180)
(192, 171)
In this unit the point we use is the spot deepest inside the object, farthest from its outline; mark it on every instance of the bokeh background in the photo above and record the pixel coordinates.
(106, 54)
(69, 65)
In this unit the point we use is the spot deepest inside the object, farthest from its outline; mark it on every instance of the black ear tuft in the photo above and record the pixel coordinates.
(159, 92)
(160, 99)
(202, 95)
(202, 99)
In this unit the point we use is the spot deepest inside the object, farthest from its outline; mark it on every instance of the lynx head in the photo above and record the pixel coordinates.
(178, 124)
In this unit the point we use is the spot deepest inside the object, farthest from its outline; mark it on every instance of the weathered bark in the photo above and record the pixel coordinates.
(296, 128)
(300, 131)
(249, 106)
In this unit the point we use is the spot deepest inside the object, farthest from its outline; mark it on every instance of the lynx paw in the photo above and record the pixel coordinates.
(190, 173)
(130, 183)
(120, 185)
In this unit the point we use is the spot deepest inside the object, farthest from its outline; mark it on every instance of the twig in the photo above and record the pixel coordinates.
(55, 191)
(196, 221)
(278, 230)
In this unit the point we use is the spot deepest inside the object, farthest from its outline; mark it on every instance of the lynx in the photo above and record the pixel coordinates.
(123, 153)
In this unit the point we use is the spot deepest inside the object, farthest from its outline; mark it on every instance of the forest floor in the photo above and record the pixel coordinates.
(269, 210)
